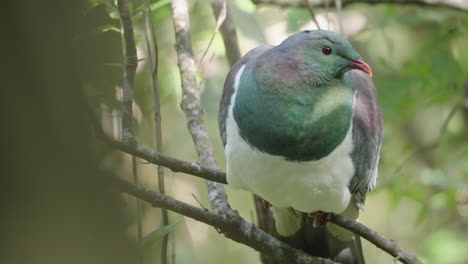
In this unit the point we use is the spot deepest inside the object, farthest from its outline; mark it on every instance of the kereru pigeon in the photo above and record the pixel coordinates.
(302, 129)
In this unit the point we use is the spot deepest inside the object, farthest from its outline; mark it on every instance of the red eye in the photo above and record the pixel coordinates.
(326, 50)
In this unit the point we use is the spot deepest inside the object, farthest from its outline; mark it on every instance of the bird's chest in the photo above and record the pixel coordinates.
(306, 186)
(292, 148)
(300, 125)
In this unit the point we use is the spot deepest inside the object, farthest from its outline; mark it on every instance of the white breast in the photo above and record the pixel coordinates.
(305, 186)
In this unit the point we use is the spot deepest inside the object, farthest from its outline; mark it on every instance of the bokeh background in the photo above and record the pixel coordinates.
(420, 62)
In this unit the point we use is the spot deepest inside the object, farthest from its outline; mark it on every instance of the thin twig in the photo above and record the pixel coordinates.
(460, 6)
(434, 144)
(138, 206)
(152, 46)
(199, 203)
(191, 103)
(219, 21)
(312, 13)
(228, 31)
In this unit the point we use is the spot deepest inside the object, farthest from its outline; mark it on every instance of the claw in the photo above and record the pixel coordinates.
(321, 219)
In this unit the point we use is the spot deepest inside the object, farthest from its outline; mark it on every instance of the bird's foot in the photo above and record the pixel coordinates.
(266, 204)
(318, 219)
(321, 219)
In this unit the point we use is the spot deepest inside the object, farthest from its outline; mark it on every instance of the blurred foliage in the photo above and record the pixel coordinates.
(421, 67)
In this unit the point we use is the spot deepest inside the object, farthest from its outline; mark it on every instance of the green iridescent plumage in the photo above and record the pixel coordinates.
(293, 103)
(299, 124)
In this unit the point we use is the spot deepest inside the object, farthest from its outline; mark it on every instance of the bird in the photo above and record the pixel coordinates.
(302, 129)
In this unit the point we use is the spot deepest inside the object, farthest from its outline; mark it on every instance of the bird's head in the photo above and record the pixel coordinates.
(326, 54)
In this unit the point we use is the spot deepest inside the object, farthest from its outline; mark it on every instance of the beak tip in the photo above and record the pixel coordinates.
(363, 66)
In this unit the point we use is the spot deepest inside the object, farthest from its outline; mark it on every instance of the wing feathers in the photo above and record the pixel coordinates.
(228, 90)
(367, 134)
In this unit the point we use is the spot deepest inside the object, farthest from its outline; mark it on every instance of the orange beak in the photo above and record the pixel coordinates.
(361, 65)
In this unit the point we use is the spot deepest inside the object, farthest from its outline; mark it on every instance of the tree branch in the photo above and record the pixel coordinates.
(455, 5)
(152, 46)
(311, 12)
(131, 62)
(132, 147)
(191, 103)
(223, 218)
(375, 238)
(232, 226)
(176, 165)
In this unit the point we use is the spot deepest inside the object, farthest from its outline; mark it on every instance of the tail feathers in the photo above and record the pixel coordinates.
(321, 243)
(346, 252)
(333, 242)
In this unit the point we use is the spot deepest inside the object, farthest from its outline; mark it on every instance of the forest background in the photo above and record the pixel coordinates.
(418, 55)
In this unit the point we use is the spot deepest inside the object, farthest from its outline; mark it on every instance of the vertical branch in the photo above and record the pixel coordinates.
(131, 61)
(465, 104)
(191, 103)
(138, 203)
(228, 31)
(152, 46)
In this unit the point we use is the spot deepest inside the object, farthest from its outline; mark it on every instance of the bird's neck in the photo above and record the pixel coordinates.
(300, 123)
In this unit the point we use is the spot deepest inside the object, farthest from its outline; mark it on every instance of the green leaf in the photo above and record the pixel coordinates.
(106, 28)
(158, 234)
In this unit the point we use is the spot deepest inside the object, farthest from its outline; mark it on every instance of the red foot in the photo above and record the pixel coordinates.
(305, 216)
(321, 219)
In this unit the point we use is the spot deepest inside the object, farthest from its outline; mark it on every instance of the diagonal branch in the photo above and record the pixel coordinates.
(431, 146)
(450, 4)
(191, 103)
(311, 12)
(228, 31)
(193, 168)
(375, 238)
(233, 227)
(132, 147)
(237, 229)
